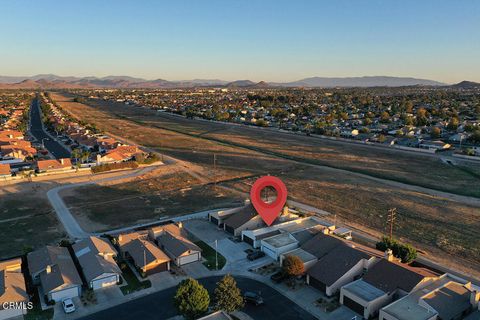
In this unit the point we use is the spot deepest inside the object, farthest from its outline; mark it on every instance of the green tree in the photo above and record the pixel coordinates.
(475, 138)
(405, 252)
(191, 299)
(293, 266)
(77, 154)
(435, 132)
(385, 117)
(453, 124)
(227, 295)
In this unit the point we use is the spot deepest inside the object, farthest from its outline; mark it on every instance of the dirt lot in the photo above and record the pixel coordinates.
(145, 199)
(439, 225)
(26, 219)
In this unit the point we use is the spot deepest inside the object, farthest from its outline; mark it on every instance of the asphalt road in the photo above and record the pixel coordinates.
(36, 128)
(160, 305)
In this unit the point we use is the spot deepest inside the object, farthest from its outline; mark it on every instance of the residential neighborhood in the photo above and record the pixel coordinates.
(29, 148)
(378, 116)
(303, 256)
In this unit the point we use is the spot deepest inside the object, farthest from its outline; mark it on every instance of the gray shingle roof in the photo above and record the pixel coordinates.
(176, 246)
(95, 256)
(336, 263)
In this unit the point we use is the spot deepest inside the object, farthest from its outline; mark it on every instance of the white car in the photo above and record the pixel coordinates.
(68, 305)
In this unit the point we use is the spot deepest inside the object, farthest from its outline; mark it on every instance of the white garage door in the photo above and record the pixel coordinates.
(269, 252)
(104, 282)
(10, 313)
(63, 294)
(188, 259)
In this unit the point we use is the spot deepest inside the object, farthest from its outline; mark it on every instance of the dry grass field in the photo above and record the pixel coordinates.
(103, 207)
(26, 220)
(433, 224)
(439, 225)
(407, 167)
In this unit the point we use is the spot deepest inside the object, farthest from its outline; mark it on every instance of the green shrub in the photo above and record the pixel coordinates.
(405, 252)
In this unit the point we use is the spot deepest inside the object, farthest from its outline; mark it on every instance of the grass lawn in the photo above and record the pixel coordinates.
(133, 284)
(38, 314)
(208, 253)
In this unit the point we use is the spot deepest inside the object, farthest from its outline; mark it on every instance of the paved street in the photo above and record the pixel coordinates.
(37, 130)
(160, 305)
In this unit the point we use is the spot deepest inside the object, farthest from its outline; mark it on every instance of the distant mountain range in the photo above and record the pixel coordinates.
(51, 81)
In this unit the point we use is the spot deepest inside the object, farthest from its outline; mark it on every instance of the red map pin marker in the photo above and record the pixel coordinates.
(268, 211)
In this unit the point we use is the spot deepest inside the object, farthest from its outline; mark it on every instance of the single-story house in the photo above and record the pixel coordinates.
(321, 244)
(312, 224)
(12, 289)
(173, 242)
(434, 145)
(447, 297)
(119, 154)
(276, 245)
(146, 256)
(54, 165)
(96, 257)
(55, 270)
(340, 266)
(219, 217)
(244, 219)
(363, 298)
(394, 279)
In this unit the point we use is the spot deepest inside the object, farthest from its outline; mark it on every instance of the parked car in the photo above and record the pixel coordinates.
(255, 255)
(68, 305)
(253, 297)
(279, 276)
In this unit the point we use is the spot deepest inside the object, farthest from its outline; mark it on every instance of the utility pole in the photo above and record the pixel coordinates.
(215, 170)
(216, 256)
(391, 217)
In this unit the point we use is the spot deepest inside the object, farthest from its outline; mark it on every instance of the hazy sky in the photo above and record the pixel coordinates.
(272, 40)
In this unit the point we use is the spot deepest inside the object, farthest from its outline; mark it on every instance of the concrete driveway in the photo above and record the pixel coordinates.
(233, 251)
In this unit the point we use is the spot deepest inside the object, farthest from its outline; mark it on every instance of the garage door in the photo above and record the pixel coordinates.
(355, 306)
(63, 294)
(104, 282)
(189, 259)
(269, 252)
(214, 220)
(10, 313)
(248, 240)
(158, 268)
(317, 284)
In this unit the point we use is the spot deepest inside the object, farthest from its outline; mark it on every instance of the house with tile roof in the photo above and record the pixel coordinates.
(54, 165)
